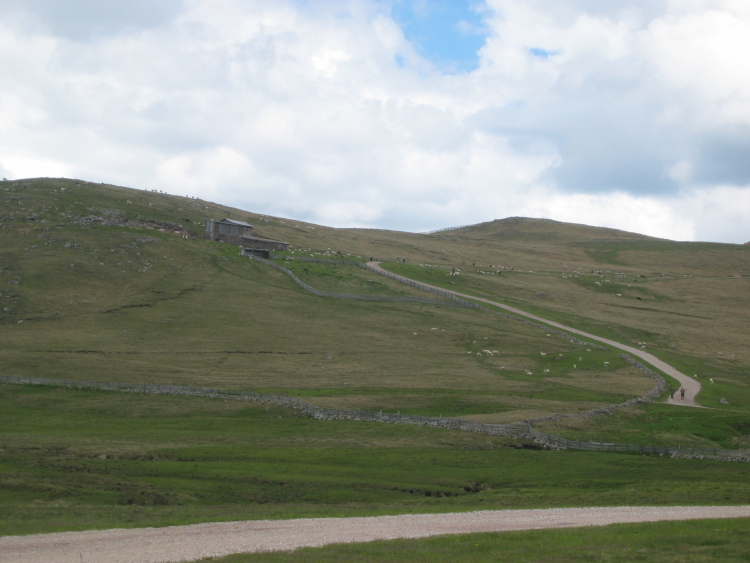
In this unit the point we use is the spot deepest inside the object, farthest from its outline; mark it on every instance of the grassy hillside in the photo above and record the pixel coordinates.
(107, 283)
(102, 282)
(129, 298)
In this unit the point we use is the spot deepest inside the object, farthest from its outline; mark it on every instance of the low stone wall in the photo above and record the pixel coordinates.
(519, 430)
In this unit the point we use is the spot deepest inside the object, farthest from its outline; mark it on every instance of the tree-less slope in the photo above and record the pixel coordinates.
(102, 291)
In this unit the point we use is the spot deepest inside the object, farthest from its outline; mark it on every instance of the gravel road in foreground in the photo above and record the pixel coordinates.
(190, 543)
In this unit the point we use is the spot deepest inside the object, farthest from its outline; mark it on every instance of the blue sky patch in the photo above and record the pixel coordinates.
(542, 53)
(448, 34)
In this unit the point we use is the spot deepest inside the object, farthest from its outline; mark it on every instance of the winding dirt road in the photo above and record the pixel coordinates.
(692, 387)
(194, 542)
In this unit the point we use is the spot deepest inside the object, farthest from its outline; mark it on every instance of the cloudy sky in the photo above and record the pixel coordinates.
(401, 114)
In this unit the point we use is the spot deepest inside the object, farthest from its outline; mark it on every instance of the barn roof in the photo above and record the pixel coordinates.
(233, 222)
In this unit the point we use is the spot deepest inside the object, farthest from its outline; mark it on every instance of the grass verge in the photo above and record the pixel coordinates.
(663, 542)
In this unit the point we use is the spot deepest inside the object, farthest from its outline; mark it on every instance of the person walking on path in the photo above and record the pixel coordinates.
(682, 392)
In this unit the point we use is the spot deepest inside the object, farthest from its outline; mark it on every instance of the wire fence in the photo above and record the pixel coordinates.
(355, 296)
(422, 287)
(521, 430)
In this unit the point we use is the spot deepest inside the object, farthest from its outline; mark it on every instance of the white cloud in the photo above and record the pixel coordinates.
(623, 211)
(625, 114)
(15, 166)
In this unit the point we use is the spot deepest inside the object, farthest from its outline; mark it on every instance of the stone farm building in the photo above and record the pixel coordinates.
(241, 234)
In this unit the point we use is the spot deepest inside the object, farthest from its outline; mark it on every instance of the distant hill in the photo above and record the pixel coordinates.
(541, 229)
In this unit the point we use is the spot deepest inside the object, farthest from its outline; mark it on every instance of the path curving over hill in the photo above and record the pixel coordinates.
(198, 541)
(692, 386)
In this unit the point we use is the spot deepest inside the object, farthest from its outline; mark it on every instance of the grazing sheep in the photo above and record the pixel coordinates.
(695, 376)
(529, 373)
(711, 379)
(496, 352)
(606, 364)
(580, 359)
(479, 354)
(588, 349)
(575, 366)
(549, 335)
(546, 371)
(597, 283)
(542, 353)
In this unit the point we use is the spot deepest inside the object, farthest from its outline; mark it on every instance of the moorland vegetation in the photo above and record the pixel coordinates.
(103, 283)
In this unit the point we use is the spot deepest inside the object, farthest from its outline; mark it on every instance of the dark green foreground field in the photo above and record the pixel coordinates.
(75, 460)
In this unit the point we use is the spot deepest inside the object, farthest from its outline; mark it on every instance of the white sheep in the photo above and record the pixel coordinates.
(479, 354)
(580, 359)
(695, 376)
(606, 364)
(549, 335)
(711, 379)
(575, 366)
(542, 353)
(546, 371)
(588, 349)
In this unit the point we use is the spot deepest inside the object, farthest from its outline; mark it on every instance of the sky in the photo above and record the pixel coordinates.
(400, 114)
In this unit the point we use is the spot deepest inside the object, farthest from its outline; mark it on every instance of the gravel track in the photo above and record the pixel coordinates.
(692, 386)
(194, 542)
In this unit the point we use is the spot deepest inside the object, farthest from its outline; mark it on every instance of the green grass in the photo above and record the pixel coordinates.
(146, 305)
(664, 542)
(129, 304)
(174, 460)
(348, 279)
(729, 374)
(661, 424)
